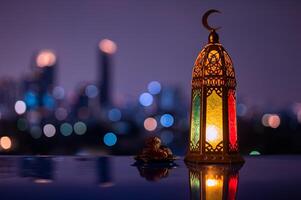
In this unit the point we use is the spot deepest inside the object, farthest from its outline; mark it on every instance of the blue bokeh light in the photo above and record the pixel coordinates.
(91, 91)
(110, 139)
(167, 120)
(31, 99)
(146, 99)
(48, 101)
(241, 110)
(114, 115)
(154, 87)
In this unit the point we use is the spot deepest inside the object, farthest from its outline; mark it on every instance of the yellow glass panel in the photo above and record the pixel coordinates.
(214, 187)
(214, 119)
(195, 121)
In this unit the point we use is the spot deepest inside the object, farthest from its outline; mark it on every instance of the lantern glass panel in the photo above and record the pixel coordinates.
(214, 119)
(195, 121)
(233, 182)
(232, 121)
(195, 185)
(214, 187)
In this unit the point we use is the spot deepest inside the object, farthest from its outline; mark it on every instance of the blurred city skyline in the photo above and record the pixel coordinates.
(157, 41)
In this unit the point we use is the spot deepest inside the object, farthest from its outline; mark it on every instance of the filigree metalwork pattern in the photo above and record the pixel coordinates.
(217, 149)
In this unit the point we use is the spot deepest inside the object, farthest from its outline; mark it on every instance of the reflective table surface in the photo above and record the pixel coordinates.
(60, 177)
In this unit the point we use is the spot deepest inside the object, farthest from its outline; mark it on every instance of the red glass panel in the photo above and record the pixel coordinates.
(233, 181)
(232, 121)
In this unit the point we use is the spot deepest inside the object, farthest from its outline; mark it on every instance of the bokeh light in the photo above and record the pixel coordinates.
(61, 114)
(48, 101)
(58, 92)
(35, 132)
(299, 116)
(80, 128)
(154, 87)
(271, 120)
(22, 124)
(66, 129)
(274, 121)
(46, 58)
(146, 99)
(110, 139)
(166, 137)
(20, 107)
(150, 124)
(265, 120)
(167, 120)
(91, 91)
(114, 114)
(31, 99)
(49, 130)
(241, 110)
(5, 142)
(107, 46)
(254, 153)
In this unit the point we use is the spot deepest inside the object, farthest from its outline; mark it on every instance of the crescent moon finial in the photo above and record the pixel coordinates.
(205, 19)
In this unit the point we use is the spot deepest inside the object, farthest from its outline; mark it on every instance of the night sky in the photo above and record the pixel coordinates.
(158, 40)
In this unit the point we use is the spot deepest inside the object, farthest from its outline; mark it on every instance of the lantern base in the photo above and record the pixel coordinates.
(214, 158)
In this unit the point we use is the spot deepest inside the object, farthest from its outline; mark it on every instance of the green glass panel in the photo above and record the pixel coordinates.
(194, 186)
(195, 122)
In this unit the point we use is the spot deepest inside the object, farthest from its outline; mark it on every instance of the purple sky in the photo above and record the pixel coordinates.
(158, 40)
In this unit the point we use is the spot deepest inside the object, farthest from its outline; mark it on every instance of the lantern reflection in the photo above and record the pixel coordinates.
(213, 182)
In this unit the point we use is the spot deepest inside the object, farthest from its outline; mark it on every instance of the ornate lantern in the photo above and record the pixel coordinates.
(216, 182)
(213, 132)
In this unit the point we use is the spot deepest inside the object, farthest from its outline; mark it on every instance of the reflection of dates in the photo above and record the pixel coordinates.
(153, 151)
(153, 174)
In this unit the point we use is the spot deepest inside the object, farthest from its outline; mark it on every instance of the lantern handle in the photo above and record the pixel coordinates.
(205, 20)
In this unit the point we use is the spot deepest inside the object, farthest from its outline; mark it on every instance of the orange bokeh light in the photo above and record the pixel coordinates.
(45, 58)
(107, 46)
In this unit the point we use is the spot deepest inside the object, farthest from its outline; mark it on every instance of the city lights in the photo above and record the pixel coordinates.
(46, 58)
(48, 101)
(154, 87)
(61, 114)
(146, 99)
(241, 110)
(114, 115)
(150, 124)
(58, 92)
(107, 46)
(167, 120)
(31, 99)
(5, 142)
(66, 129)
(271, 120)
(91, 91)
(80, 128)
(20, 107)
(110, 139)
(49, 130)
(35, 132)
